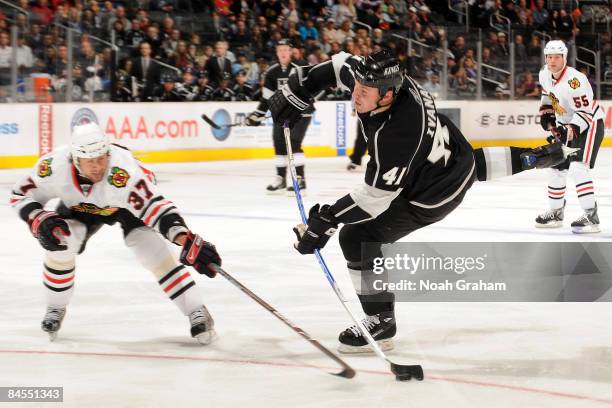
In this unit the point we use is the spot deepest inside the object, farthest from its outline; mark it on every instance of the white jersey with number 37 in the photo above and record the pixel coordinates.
(126, 185)
(571, 97)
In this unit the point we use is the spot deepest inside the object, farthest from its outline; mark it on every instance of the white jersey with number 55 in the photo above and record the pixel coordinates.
(571, 97)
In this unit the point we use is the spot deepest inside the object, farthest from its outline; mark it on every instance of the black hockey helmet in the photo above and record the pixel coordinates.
(380, 70)
(284, 41)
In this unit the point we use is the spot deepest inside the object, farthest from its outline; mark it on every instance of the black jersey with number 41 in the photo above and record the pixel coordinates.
(414, 151)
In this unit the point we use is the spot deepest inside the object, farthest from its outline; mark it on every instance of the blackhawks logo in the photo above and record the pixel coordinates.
(574, 83)
(118, 177)
(44, 168)
(94, 209)
(556, 106)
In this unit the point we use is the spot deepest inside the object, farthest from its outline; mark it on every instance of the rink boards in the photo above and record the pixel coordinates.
(175, 132)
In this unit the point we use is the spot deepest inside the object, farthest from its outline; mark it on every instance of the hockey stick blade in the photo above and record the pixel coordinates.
(210, 122)
(402, 372)
(347, 371)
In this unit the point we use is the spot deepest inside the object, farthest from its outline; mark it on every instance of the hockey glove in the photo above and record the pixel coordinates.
(547, 117)
(48, 227)
(255, 118)
(566, 133)
(199, 254)
(288, 103)
(321, 226)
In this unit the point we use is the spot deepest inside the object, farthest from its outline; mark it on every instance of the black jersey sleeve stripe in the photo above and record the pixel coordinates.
(166, 211)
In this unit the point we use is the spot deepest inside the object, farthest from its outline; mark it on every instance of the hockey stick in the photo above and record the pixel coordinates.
(402, 372)
(347, 371)
(216, 126)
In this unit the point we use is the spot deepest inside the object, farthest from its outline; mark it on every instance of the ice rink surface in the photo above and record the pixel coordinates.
(124, 344)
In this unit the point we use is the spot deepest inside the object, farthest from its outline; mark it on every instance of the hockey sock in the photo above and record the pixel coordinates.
(179, 286)
(556, 188)
(59, 282)
(377, 303)
(584, 185)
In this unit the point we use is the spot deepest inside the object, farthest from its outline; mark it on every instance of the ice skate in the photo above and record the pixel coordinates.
(202, 326)
(588, 223)
(278, 186)
(381, 327)
(301, 184)
(52, 321)
(550, 219)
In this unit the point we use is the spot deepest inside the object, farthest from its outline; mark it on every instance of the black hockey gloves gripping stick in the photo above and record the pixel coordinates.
(402, 372)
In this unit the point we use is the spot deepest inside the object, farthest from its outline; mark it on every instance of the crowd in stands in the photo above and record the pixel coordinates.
(175, 50)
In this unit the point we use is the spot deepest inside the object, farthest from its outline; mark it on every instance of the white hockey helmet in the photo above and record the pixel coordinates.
(89, 141)
(556, 47)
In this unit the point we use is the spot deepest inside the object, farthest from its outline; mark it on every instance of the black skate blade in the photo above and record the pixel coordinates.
(407, 372)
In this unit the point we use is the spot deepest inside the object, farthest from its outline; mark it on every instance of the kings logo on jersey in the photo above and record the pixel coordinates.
(555, 103)
(574, 83)
(118, 177)
(94, 209)
(44, 168)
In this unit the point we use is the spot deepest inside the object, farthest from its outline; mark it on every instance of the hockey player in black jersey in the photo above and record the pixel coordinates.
(242, 90)
(275, 77)
(223, 93)
(420, 169)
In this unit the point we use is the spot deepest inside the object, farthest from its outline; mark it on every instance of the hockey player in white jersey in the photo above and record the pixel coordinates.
(570, 112)
(101, 183)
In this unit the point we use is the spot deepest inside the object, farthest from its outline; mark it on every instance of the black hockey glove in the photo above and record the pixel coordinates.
(564, 134)
(289, 103)
(48, 227)
(321, 226)
(255, 118)
(547, 117)
(199, 254)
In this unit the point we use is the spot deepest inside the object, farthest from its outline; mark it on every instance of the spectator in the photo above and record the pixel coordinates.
(291, 12)
(219, 64)
(344, 32)
(309, 30)
(119, 34)
(541, 17)
(180, 58)
(510, 13)
(502, 49)
(42, 13)
(528, 86)
(564, 22)
(534, 48)
(171, 43)
(271, 9)
(6, 55)
(344, 10)
(119, 15)
(146, 71)
(520, 51)
(524, 14)
(154, 40)
(459, 48)
(25, 59)
(432, 85)
(134, 36)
